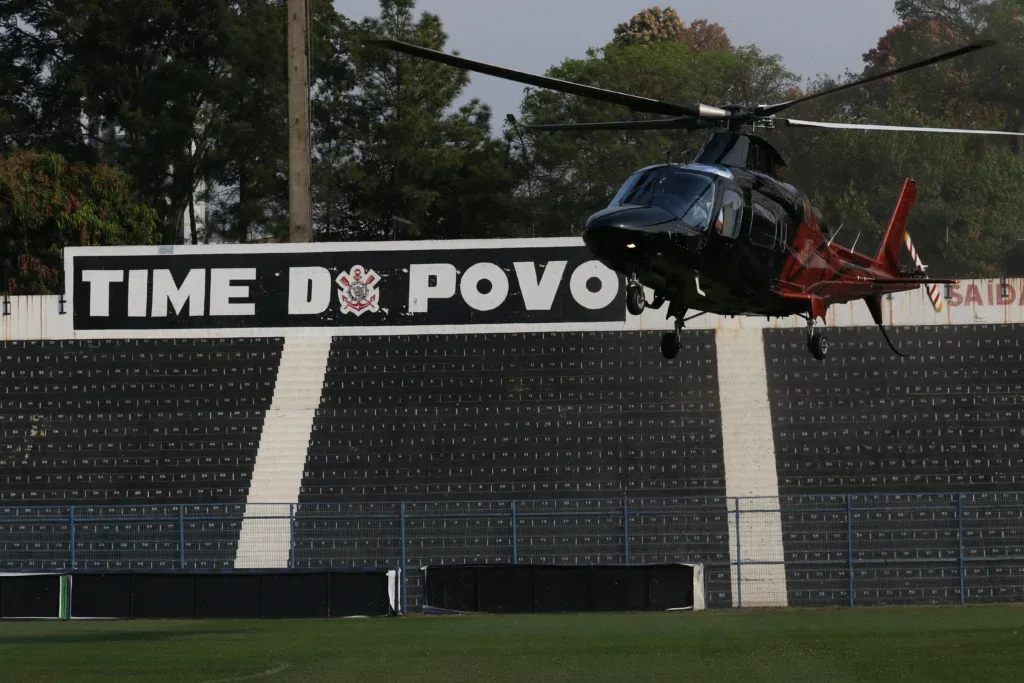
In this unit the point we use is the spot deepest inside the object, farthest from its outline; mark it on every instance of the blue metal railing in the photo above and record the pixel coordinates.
(829, 549)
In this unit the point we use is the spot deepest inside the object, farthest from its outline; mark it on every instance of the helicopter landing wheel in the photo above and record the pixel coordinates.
(636, 301)
(671, 343)
(817, 343)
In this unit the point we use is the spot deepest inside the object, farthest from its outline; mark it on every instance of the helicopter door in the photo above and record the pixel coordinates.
(767, 238)
(764, 227)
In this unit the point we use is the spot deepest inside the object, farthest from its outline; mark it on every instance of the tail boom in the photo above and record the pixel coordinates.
(913, 281)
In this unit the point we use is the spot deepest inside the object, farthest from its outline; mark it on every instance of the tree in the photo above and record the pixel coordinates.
(999, 72)
(249, 162)
(140, 74)
(657, 25)
(964, 16)
(403, 163)
(984, 88)
(333, 126)
(47, 203)
(176, 92)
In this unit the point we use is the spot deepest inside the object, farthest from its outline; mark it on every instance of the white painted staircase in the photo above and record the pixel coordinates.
(748, 445)
(265, 538)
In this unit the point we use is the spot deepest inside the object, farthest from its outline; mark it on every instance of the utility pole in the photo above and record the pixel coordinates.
(299, 210)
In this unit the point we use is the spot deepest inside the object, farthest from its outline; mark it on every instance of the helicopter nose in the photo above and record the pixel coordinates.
(611, 231)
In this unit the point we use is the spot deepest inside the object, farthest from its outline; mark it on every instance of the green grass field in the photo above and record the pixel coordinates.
(924, 644)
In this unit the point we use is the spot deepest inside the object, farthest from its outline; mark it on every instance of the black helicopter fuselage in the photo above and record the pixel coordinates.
(706, 237)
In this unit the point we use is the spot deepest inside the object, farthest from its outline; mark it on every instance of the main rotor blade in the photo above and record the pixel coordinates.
(867, 126)
(659, 124)
(634, 102)
(769, 109)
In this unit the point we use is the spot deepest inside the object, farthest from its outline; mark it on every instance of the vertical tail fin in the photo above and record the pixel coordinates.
(888, 255)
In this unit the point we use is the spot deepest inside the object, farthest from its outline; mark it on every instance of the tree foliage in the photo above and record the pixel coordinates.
(176, 92)
(657, 25)
(126, 82)
(47, 203)
(248, 156)
(399, 160)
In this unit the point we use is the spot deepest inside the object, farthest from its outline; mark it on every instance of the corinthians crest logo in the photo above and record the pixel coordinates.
(358, 293)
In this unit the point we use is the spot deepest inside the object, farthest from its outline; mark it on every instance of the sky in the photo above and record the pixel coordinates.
(814, 37)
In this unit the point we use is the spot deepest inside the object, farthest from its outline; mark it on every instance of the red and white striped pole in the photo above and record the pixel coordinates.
(933, 290)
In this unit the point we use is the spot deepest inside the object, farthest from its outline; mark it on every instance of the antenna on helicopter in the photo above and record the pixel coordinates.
(854, 247)
(835, 234)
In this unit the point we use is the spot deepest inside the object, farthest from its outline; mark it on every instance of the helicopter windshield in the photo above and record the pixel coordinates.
(688, 196)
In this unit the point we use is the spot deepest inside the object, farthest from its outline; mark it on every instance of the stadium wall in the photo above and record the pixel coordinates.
(443, 393)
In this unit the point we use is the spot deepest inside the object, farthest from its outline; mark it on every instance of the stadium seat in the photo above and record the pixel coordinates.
(526, 417)
(130, 431)
(948, 418)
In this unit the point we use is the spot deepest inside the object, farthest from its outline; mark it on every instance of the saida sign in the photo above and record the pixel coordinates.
(341, 285)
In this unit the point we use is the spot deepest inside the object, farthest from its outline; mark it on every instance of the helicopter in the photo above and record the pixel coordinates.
(724, 234)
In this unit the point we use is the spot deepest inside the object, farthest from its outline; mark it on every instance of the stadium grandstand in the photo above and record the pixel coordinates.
(407, 404)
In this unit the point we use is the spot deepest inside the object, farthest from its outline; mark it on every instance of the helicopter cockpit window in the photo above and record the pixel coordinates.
(689, 197)
(630, 188)
(728, 222)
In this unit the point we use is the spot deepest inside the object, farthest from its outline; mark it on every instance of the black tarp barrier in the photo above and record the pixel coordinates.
(30, 596)
(558, 588)
(232, 595)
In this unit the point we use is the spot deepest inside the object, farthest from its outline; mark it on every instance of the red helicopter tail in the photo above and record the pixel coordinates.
(888, 255)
